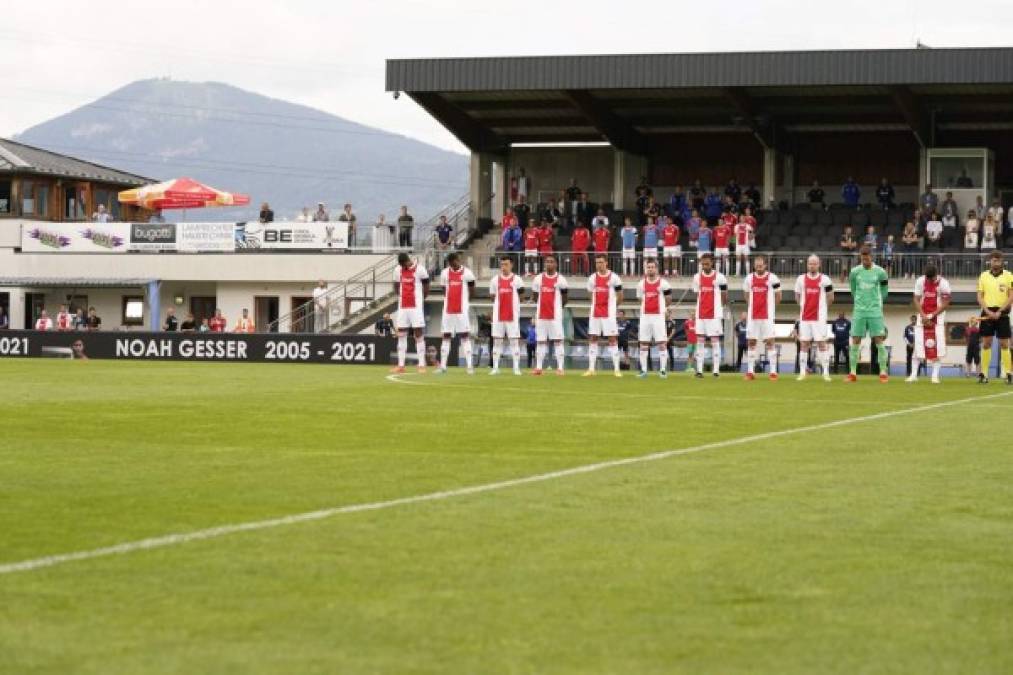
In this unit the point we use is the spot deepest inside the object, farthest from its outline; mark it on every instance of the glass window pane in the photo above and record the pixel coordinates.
(5, 197)
(42, 200)
(957, 172)
(27, 198)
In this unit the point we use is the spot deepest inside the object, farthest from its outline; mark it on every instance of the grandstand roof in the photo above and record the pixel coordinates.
(20, 158)
(490, 103)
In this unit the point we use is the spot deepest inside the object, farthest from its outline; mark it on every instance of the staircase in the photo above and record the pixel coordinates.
(354, 303)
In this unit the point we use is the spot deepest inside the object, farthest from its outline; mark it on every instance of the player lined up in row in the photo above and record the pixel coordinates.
(814, 293)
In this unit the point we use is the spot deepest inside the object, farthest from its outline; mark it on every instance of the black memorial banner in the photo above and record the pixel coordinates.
(221, 347)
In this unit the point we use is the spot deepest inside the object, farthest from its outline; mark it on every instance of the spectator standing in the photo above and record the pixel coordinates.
(171, 322)
(885, 194)
(851, 193)
(934, 233)
(217, 323)
(733, 191)
(972, 359)
(531, 341)
(741, 341)
(348, 216)
(552, 213)
(979, 207)
(948, 212)
(584, 209)
(580, 240)
(266, 214)
(523, 212)
(751, 197)
(245, 323)
(677, 202)
(80, 320)
(383, 235)
(44, 322)
(871, 238)
(693, 228)
(321, 215)
(848, 243)
(652, 210)
(989, 234)
(513, 242)
(816, 194)
(305, 216)
(101, 215)
(697, 195)
(995, 211)
(188, 325)
(963, 180)
(384, 326)
(405, 227)
(928, 201)
(971, 230)
(523, 183)
(600, 220)
(713, 207)
(444, 235)
(704, 240)
(321, 307)
(888, 248)
(572, 197)
(63, 319)
(94, 320)
(842, 335)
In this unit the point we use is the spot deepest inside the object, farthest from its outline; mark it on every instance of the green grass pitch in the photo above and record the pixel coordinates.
(883, 545)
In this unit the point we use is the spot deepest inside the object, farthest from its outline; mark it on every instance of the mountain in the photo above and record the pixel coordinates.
(277, 152)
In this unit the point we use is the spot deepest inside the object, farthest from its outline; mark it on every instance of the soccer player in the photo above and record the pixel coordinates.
(762, 289)
(603, 285)
(671, 248)
(411, 283)
(722, 239)
(549, 291)
(995, 295)
(711, 288)
(743, 235)
(628, 235)
(532, 237)
(579, 241)
(546, 238)
(815, 293)
(869, 285)
(506, 314)
(458, 285)
(602, 238)
(652, 291)
(931, 298)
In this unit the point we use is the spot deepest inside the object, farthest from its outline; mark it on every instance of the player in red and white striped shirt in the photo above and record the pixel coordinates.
(671, 249)
(603, 285)
(64, 321)
(763, 293)
(458, 284)
(722, 242)
(931, 298)
(549, 290)
(711, 288)
(653, 291)
(815, 293)
(411, 282)
(506, 314)
(743, 237)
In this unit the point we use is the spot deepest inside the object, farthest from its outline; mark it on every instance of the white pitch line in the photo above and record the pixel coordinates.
(223, 530)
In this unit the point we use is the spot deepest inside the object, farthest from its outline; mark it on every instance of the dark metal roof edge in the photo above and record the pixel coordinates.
(762, 68)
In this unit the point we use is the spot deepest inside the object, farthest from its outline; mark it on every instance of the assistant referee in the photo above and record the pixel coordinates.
(995, 295)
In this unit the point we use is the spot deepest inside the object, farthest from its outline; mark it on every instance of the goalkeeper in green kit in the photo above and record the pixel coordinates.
(869, 288)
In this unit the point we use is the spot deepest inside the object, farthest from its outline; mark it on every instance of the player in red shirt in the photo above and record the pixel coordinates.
(711, 288)
(722, 241)
(217, 323)
(411, 284)
(762, 289)
(546, 238)
(579, 242)
(602, 237)
(532, 237)
(509, 219)
(671, 249)
(549, 291)
(751, 221)
(931, 297)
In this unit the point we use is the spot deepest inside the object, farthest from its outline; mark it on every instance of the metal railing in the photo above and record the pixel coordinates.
(787, 264)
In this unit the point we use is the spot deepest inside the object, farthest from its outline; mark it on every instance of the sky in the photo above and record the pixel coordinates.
(330, 54)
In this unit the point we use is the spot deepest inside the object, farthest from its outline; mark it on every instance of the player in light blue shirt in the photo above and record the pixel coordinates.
(628, 235)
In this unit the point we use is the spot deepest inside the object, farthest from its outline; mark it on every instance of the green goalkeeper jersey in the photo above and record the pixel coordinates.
(868, 290)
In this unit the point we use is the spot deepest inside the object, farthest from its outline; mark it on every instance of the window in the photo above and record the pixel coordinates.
(133, 310)
(74, 203)
(957, 172)
(108, 199)
(34, 198)
(6, 207)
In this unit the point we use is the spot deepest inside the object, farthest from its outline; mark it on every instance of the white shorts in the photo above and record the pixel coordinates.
(709, 328)
(672, 251)
(455, 324)
(652, 329)
(742, 250)
(940, 338)
(410, 318)
(629, 254)
(506, 329)
(760, 329)
(813, 331)
(722, 252)
(531, 253)
(597, 327)
(549, 329)
(650, 252)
